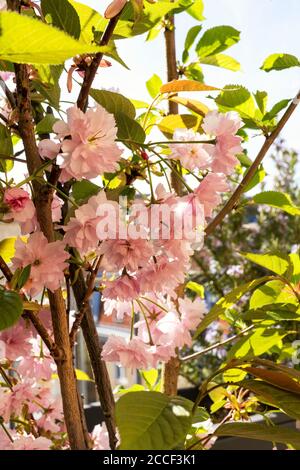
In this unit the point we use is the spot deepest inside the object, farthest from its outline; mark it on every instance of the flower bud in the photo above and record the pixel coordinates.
(114, 8)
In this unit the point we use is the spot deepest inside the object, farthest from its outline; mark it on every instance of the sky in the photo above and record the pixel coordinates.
(267, 26)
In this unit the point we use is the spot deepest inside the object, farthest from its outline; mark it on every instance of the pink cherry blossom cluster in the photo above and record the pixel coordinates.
(143, 265)
(85, 144)
(219, 157)
(26, 394)
(18, 207)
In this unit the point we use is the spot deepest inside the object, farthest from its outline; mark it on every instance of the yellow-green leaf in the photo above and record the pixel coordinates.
(279, 62)
(7, 248)
(27, 40)
(179, 121)
(222, 60)
(193, 105)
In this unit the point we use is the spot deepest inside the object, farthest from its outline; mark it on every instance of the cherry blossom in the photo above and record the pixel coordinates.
(129, 253)
(133, 354)
(191, 155)
(81, 231)
(21, 209)
(31, 443)
(191, 312)
(100, 437)
(208, 192)
(124, 288)
(47, 260)
(117, 308)
(16, 341)
(48, 148)
(228, 145)
(12, 401)
(88, 146)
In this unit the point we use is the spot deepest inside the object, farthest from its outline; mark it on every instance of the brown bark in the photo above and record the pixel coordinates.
(42, 200)
(94, 348)
(171, 368)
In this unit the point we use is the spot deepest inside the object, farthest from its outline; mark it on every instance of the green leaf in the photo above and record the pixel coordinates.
(256, 179)
(256, 343)
(236, 98)
(274, 261)
(216, 40)
(278, 200)
(276, 109)
(261, 98)
(153, 85)
(90, 21)
(195, 287)
(222, 60)
(82, 190)
(45, 126)
(6, 149)
(227, 301)
(151, 15)
(113, 53)
(24, 276)
(37, 42)
(286, 401)
(137, 8)
(194, 72)
(200, 415)
(113, 102)
(179, 121)
(261, 432)
(11, 308)
(280, 62)
(295, 260)
(157, 422)
(189, 41)
(273, 292)
(129, 129)
(47, 83)
(7, 248)
(62, 15)
(196, 10)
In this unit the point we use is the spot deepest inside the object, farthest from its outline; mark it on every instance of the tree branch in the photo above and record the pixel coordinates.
(28, 314)
(171, 368)
(42, 199)
(94, 347)
(216, 345)
(85, 302)
(93, 67)
(231, 203)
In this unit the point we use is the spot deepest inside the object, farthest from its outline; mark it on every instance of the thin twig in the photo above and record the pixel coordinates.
(30, 315)
(14, 159)
(9, 95)
(89, 290)
(231, 203)
(6, 377)
(93, 67)
(216, 345)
